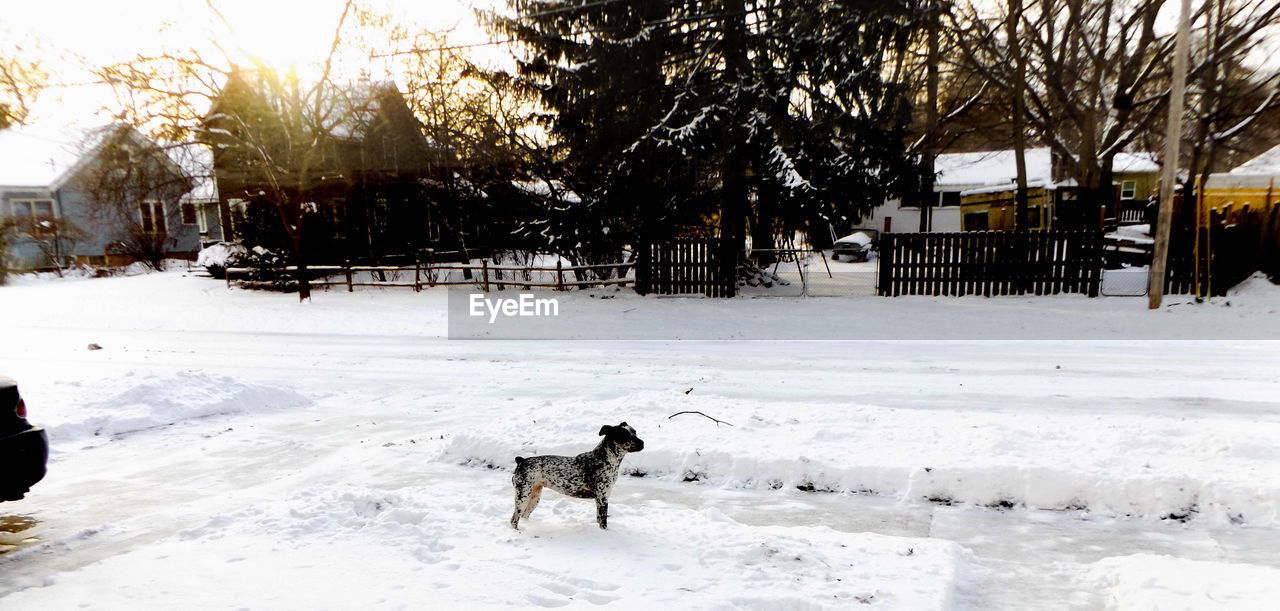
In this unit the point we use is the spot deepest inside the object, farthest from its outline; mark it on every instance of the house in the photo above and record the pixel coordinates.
(975, 191)
(196, 161)
(369, 183)
(105, 195)
(1253, 186)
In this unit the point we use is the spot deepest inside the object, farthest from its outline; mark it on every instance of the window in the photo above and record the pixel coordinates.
(1033, 217)
(1128, 189)
(30, 212)
(201, 220)
(152, 216)
(950, 198)
(235, 212)
(914, 199)
(975, 221)
(188, 214)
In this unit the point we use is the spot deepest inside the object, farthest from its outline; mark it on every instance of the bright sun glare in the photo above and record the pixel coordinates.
(282, 35)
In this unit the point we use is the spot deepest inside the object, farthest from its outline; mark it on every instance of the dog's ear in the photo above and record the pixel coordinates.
(604, 430)
(624, 424)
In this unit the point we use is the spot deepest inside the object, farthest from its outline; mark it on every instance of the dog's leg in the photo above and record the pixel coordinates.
(515, 515)
(532, 502)
(602, 511)
(523, 491)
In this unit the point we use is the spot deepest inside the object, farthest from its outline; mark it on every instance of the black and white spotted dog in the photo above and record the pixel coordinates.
(589, 475)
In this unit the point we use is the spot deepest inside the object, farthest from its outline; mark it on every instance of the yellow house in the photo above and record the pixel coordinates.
(995, 208)
(1254, 186)
(992, 207)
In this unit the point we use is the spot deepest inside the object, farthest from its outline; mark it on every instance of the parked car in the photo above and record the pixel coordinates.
(24, 449)
(857, 246)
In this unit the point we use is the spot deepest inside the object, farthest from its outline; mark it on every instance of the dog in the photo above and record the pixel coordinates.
(589, 475)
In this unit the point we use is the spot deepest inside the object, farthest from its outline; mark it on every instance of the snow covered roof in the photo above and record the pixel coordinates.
(540, 188)
(1135, 162)
(990, 168)
(34, 157)
(1008, 186)
(1266, 163)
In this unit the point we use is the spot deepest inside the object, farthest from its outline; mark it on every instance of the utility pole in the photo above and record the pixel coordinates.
(1169, 173)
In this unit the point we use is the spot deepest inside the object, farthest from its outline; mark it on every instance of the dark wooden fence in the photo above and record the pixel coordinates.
(991, 263)
(685, 266)
(1229, 253)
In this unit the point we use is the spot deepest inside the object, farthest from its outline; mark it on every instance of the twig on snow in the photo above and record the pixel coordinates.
(718, 422)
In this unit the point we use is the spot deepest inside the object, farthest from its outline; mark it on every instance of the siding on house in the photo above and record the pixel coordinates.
(1233, 194)
(995, 208)
(1253, 186)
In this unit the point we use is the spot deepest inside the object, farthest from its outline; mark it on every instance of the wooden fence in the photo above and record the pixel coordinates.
(685, 266)
(484, 276)
(991, 263)
(1228, 253)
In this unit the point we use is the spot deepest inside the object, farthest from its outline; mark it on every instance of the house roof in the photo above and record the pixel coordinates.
(990, 168)
(542, 189)
(1135, 163)
(38, 158)
(1266, 163)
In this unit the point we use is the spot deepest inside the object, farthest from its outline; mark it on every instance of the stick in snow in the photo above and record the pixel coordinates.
(718, 422)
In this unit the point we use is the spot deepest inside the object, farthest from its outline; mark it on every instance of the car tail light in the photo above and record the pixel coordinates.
(22, 408)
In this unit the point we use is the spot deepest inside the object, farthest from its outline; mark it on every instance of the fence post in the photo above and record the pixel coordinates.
(641, 260)
(559, 275)
(347, 266)
(417, 274)
(484, 267)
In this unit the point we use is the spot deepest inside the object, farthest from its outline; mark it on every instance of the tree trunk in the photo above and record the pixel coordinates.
(300, 260)
(762, 231)
(927, 197)
(1019, 135)
(733, 204)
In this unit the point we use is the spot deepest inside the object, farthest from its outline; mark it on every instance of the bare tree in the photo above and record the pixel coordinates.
(22, 77)
(1097, 72)
(273, 127)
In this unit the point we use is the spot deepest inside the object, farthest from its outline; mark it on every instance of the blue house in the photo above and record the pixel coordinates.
(104, 196)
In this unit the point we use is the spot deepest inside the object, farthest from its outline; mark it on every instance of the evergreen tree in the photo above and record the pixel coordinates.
(771, 113)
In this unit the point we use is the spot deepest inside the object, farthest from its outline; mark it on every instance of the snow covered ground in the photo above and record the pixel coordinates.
(233, 449)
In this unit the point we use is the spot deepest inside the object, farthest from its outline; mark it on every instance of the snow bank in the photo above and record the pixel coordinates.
(1148, 581)
(1124, 464)
(159, 401)
(1255, 286)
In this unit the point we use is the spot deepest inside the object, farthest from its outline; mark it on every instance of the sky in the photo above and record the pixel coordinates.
(67, 34)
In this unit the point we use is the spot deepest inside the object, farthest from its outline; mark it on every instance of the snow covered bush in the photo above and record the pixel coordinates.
(217, 257)
(266, 269)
